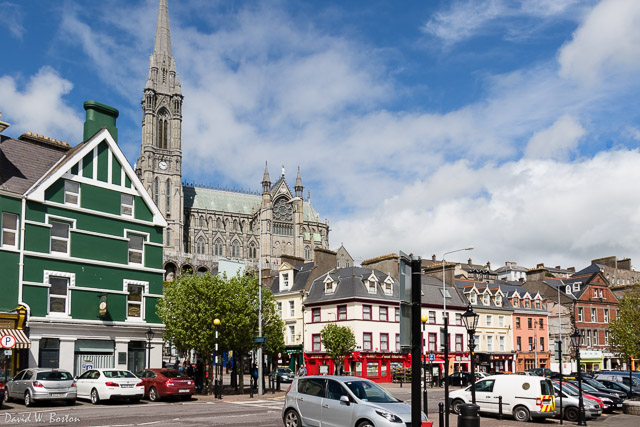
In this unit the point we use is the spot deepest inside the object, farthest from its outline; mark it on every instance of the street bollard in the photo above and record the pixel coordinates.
(469, 415)
(278, 382)
(499, 407)
(401, 380)
(273, 385)
(425, 400)
(441, 414)
(251, 388)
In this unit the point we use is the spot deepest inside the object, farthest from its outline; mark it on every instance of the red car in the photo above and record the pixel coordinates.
(159, 383)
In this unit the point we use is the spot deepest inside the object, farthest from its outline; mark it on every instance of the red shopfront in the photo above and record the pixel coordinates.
(376, 366)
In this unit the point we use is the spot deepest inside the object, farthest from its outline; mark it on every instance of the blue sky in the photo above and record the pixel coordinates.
(425, 126)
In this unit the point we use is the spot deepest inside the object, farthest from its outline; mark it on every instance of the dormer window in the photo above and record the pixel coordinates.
(567, 290)
(527, 303)
(329, 285)
(372, 287)
(516, 302)
(499, 300)
(473, 298)
(285, 280)
(485, 299)
(576, 286)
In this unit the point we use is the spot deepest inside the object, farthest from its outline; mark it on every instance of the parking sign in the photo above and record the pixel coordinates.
(8, 341)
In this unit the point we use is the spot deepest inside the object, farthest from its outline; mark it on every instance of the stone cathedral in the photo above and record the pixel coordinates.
(206, 225)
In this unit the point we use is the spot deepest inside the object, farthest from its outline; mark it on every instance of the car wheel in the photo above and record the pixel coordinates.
(366, 424)
(28, 400)
(95, 397)
(292, 419)
(571, 414)
(520, 413)
(153, 394)
(455, 406)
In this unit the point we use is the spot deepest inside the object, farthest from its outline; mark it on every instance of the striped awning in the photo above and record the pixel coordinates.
(21, 339)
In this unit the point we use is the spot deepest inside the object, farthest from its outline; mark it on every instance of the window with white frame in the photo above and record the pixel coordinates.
(530, 343)
(527, 303)
(342, 312)
(328, 286)
(606, 337)
(606, 315)
(397, 314)
(59, 294)
(538, 306)
(59, 237)
(71, 193)
(366, 341)
(366, 312)
(485, 299)
(594, 315)
(372, 287)
(567, 289)
(9, 230)
(292, 308)
(317, 344)
(315, 314)
(280, 309)
(285, 280)
(489, 343)
(499, 300)
(602, 292)
(384, 314)
(501, 339)
(501, 321)
(489, 320)
(576, 286)
(459, 342)
(516, 302)
(136, 248)
(126, 205)
(384, 342)
(292, 334)
(388, 288)
(134, 301)
(432, 316)
(458, 319)
(595, 337)
(588, 336)
(473, 298)
(580, 314)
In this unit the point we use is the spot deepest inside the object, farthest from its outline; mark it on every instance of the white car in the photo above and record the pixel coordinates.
(106, 384)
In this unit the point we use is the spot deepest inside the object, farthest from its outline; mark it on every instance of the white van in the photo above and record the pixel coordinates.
(524, 397)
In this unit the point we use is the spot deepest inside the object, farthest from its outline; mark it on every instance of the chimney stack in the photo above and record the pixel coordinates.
(100, 116)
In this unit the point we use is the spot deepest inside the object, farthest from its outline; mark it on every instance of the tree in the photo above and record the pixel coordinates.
(625, 328)
(339, 342)
(192, 302)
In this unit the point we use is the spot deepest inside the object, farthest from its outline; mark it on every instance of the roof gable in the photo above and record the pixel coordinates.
(99, 162)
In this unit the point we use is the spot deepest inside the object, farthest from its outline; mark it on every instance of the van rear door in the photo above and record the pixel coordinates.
(547, 401)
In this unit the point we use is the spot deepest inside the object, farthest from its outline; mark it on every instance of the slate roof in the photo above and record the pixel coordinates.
(24, 162)
(432, 294)
(466, 285)
(350, 284)
(300, 276)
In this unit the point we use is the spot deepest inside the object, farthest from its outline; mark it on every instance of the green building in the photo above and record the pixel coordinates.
(81, 248)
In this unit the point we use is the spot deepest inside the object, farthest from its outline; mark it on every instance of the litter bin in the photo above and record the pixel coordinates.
(469, 415)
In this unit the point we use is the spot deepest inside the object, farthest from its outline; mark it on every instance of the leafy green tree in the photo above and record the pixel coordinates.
(339, 342)
(192, 302)
(625, 328)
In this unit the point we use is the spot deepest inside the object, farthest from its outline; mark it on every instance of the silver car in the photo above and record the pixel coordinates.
(35, 384)
(339, 401)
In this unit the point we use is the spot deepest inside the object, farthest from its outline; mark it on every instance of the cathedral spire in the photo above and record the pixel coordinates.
(162, 67)
(266, 180)
(299, 188)
(162, 44)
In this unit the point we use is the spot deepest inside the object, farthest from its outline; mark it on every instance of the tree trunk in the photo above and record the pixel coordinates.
(241, 373)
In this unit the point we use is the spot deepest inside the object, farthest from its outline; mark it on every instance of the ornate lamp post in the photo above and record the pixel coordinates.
(445, 342)
(470, 319)
(217, 392)
(576, 340)
(149, 334)
(424, 317)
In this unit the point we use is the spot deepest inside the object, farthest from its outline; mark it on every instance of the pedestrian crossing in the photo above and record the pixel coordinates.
(262, 403)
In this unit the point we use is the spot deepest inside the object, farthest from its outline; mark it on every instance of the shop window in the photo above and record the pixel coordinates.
(126, 205)
(9, 230)
(373, 369)
(49, 353)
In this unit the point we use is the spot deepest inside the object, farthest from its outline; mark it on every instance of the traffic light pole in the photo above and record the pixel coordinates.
(416, 337)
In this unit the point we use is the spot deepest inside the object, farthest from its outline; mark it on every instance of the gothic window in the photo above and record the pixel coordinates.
(156, 191)
(201, 222)
(168, 199)
(218, 247)
(235, 225)
(218, 223)
(282, 211)
(307, 252)
(163, 129)
(200, 246)
(235, 250)
(252, 251)
(164, 75)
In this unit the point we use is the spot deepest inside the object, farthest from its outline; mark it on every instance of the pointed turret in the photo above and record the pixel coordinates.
(266, 181)
(299, 188)
(162, 44)
(162, 67)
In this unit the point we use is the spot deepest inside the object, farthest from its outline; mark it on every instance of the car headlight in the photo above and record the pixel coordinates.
(389, 416)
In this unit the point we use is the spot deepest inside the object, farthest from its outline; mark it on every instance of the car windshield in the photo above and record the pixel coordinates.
(173, 374)
(370, 392)
(118, 374)
(588, 388)
(54, 376)
(284, 371)
(594, 383)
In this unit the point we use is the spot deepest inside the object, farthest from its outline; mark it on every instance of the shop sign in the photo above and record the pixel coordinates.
(590, 354)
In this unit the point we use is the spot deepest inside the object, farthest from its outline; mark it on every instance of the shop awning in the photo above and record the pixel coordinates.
(21, 339)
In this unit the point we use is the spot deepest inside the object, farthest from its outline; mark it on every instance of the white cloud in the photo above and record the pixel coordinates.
(606, 45)
(530, 211)
(556, 142)
(12, 19)
(39, 106)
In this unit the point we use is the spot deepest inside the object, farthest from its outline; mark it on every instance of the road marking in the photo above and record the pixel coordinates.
(269, 404)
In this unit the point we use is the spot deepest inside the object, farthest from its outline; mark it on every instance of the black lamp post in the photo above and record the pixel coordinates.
(424, 319)
(217, 392)
(149, 334)
(470, 319)
(576, 340)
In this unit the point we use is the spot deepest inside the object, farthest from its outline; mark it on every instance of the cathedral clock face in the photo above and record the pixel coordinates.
(162, 165)
(283, 211)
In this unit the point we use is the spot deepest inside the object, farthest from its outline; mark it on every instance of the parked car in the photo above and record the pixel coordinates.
(542, 372)
(524, 397)
(285, 374)
(1, 394)
(571, 404)
(601, 387)
(619, 387)
(610, 401)
(464, 378)
(36, 384)
(106, 384)
(161, 383)
(621, 378)
(342, 401)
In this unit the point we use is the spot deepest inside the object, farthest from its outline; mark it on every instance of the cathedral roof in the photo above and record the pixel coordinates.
(219, 200)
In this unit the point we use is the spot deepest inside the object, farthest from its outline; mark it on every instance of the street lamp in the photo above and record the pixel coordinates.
(470, 319)
(216, 384)
(260, 357)
(149, 334)
(576, 340)
(424, 317)
(445, 343)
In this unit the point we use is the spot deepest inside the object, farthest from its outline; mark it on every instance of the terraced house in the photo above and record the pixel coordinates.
(81, 249)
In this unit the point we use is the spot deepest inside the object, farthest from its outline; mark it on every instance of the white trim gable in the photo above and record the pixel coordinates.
(372, 284)
(286, 277)
(37, 191)
(388, 285)
(329, 285)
